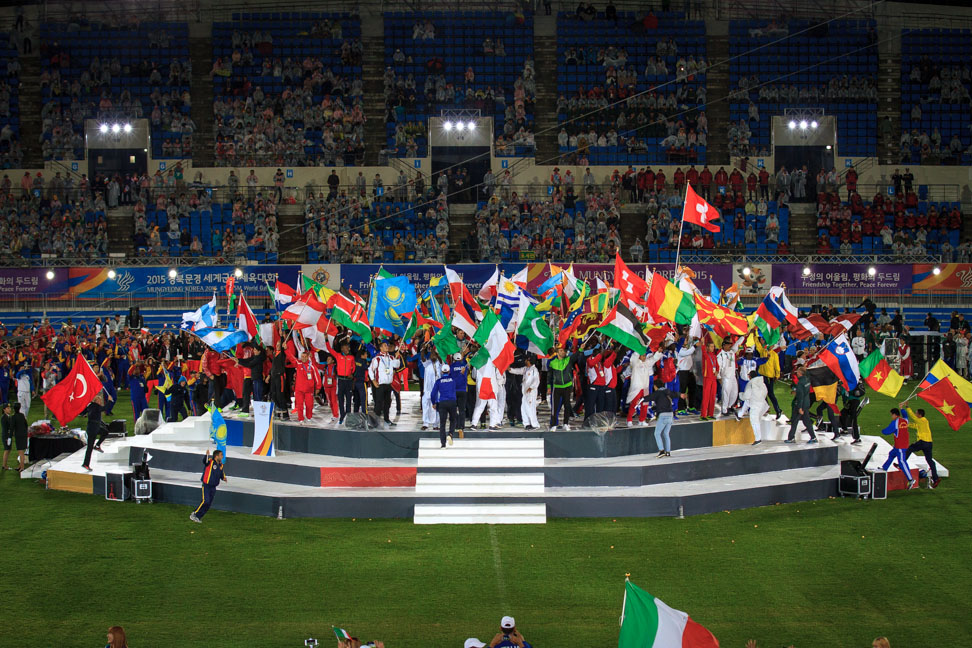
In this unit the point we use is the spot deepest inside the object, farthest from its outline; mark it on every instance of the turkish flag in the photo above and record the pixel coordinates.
(698, 212)
(69, 398)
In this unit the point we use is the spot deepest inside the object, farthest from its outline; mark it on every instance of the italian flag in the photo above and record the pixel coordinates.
(494, 342)
(621, 325)
(646, 622)
(340, 633)
(350, 314)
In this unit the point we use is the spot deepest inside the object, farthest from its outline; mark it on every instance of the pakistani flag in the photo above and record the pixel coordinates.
(445, 342)
(646, 622)
(535, 329)
(621, 325)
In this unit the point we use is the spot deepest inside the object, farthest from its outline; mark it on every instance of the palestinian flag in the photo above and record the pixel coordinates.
(879, 375)
(349, 313)
(621, 325)
(647, 622)
(667, 302)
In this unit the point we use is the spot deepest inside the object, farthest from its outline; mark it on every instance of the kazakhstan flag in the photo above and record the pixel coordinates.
(391, 298)
(217, 430)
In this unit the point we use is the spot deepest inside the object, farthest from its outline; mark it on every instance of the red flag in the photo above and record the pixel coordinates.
(630, 284)
(230, 284)
(724, 321)
(698, 212)
(69, 398)
(943, 397)
(246, 320)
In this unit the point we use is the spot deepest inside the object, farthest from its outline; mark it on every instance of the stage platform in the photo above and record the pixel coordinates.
(508, 476)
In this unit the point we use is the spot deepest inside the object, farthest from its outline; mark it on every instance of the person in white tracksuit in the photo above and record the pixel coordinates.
(484, 375)
(431, 371)
(531, 385)
(727, 377)
(642, 368)
(755, 397)
(747, 365)
(25, 385)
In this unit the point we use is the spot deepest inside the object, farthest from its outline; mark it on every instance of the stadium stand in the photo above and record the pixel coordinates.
(473, 60)
(108, 72)
(11, 154)
(833, 66)
(935, 102)
(287, 90)
(601, 62)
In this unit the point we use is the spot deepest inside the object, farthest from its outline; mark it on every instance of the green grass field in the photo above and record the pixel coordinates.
(827, 573)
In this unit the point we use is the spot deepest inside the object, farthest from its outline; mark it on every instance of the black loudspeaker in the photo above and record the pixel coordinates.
(879, 485)
(359, 421)
(117, 428)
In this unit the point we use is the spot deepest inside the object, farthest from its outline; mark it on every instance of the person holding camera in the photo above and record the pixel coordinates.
(212, 474)
(508, 636)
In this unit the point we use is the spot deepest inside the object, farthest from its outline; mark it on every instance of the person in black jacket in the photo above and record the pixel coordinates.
(14, 427)
(278, 382)
(93, 429)
(560, 376)
(178, 396)
(212, 474)
(253, 384)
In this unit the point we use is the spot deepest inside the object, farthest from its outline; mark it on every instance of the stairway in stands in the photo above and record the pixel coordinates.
(201, 91)
(633, 226)
(889, 96)
(477, 481)
(372, 69)
(120, 230)
(545, 110)
(803, 228)
(462, 219)
(30, 110)
(290, 219)
(717, 91)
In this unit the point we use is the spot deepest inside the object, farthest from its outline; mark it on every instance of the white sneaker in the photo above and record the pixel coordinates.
(449, 439)
(566, 428)
(630, 423)
(553, 428)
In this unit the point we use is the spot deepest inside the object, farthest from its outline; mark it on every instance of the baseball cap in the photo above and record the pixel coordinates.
(507, 623)
(473, 642)
(445, 368)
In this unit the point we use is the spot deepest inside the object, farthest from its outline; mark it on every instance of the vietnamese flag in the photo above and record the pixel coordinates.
(698, 212)
(943, 397)
(69, 398)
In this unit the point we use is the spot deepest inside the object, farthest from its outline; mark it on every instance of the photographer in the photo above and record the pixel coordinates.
(508, 635)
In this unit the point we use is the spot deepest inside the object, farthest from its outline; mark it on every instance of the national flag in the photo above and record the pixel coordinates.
(724, 321)
(488, 290)
(630, 284)
(657, 334)
(715, 295)
(771, 335)
(166, 383)
(411, 329)
(944, 397)
(460, 294)
(70, 397)
(879, 375)
(341, 633)
(391, 297)
(586, 323)
(507, 293)
(305, 311)
(842, 323)
(697, 211)
(730, 296)
(621, 325)
(445, 342)
(807, 327)
(647, 622)
(521, 278)
(822, 375)
(826, 393)
(217, 430)
(433, 306)
(462, 320)
(554, 281)
(486, 378)
(246, 321)
(667, 302)
(776, 310)
(323, 292)
(574, 289)
(350, 314)
(494, 344)
(838, 356)
(568, 327)
(536, 331)
(203, 317)
(221, 339)
(321, 336)
(940, 371)
(230, 285)
(283, 295)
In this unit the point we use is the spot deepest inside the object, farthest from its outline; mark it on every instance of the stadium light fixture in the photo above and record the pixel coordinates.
(50, 275)
(115, 129)
(172, 273)
(471, 125)
(814, 124)
(112, 274)
(803, 124)
(936, 270)
(829, 147)
(460, 125)
(127, 128)
(792, 125)
(871, 271)
(238, 273)
(103, 129)
(447, 126)
(746, 271)
(806, 271)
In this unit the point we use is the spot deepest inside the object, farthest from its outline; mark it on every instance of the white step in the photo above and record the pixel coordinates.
(447, 460)
(479, 484)
(465, 479)
(483, 453)
(486, 443)
(480, 514)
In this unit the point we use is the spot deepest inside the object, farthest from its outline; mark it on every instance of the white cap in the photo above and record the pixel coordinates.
(473, 642)
(507, 623)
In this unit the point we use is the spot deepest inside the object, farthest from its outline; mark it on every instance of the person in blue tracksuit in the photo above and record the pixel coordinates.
(137, 388)
(108, 382)
(4, 380)
(212, 474)
(459, 369)
(444, 402)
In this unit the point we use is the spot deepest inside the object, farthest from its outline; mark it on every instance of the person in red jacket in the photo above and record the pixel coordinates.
(610, 383)
(736, 181)
(679, 180)
(764, 184)
(344, 367)
(721, 178)
(899, 428)
(705, 180)
(660, 181)
(307, 381)
(329, 382)
(751, 181)
(692, 175)
(710, 381)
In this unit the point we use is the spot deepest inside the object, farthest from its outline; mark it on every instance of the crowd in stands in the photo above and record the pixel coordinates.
(113, 72)
(41, 217)
(288, 92)
(473, 60)
(935, 102)
(628, 91)
(11, 153)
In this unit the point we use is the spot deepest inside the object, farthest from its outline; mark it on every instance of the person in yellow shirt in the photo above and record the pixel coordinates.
(770, 370)
(916, 418)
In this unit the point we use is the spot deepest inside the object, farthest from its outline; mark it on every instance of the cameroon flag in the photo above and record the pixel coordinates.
(667, 302)
(879, 374)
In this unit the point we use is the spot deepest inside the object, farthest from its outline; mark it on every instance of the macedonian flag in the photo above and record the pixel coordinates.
(721, 319)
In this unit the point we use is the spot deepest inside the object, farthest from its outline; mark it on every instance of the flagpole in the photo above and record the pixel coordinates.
(624, 603)
(681, 224)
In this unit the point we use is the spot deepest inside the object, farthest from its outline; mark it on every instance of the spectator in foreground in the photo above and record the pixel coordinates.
(116, 638)
(508, 635)
(881, 642)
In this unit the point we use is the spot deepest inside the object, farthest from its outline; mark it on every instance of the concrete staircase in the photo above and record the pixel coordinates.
(545, 111)
(290, 220)
(803, 228)
(889, 96)
(201, 90)
(120, 231)
(464, 478)
(30, 109)
(462, 219)
(633, 226)
(717, 89)
(372, 69)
